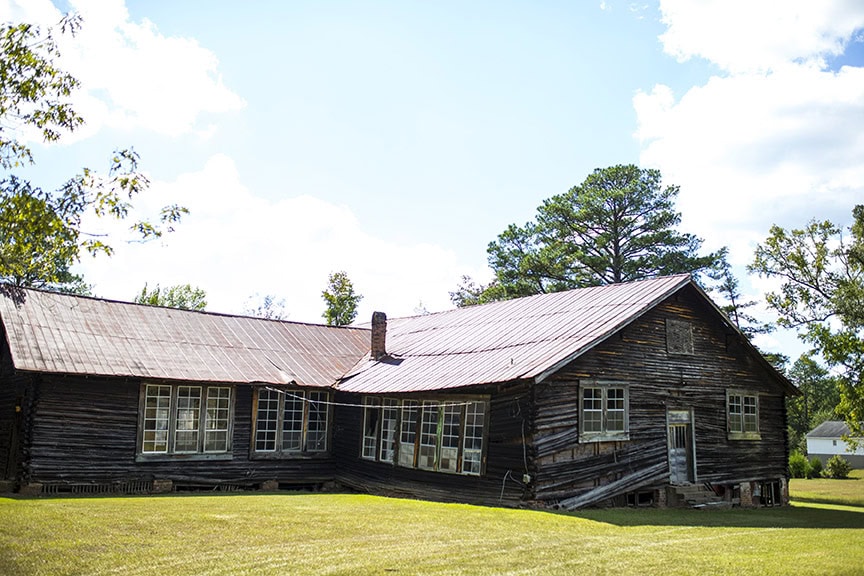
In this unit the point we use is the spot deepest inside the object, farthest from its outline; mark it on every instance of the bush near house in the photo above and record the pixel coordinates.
(837, 467)
(798, 465)
(815, 470)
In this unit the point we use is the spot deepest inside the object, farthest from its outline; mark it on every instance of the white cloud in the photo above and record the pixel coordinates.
(742, 35)
(776, 139)
(749, 150)
(235, 244)
(753, 148)
(132, 76)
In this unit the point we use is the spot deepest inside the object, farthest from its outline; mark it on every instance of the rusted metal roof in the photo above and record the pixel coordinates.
(58, 333)
(526, 338)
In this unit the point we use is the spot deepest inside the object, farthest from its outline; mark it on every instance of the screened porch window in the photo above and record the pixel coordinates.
(291, 422)
(182, 419)
(437, 435)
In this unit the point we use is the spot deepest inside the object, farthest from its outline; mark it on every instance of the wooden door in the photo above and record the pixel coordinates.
(680, 447)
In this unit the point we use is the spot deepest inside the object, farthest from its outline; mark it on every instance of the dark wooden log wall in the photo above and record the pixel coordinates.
(12, 400)
(506, 454)
(84, 430)
(659, 381)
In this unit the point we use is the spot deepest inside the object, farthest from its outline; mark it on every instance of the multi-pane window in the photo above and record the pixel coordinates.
(291, 422)
(603, 413)
(472, 445)
(157, 415)
(389, 417)
(742, 410)
(428, 436)
(408, 432)
(450, 431)
(371, 419)
(444, 436)
(186, 419)
(218, 428)
(188, 416)
(316, 431)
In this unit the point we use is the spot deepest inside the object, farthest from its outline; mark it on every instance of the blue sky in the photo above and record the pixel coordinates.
(395, 140)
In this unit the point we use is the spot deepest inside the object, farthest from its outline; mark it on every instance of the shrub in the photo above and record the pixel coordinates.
(798, 465)
(837, 467)
(815, 468)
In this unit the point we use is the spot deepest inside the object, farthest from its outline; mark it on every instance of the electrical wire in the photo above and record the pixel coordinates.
(328, 403)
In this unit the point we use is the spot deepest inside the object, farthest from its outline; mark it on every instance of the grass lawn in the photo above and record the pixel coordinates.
(290, 533)
(850, 491)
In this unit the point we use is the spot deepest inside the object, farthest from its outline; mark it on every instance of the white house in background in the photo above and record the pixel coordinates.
(826, 440)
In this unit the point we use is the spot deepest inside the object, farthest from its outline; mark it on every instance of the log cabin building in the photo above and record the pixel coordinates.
(640, 393)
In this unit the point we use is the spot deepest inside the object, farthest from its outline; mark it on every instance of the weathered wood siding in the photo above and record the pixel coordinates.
(12, 400)
(84, 430)
(659, 381)
(506, 454)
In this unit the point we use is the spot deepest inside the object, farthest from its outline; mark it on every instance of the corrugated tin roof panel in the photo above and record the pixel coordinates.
(58, 333)
(515, 339)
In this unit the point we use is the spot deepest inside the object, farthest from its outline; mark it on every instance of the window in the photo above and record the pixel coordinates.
(186, 419)
(371, 416)
(408, 432)
(389, 417)
(603, 411)
(437, 435)
(742, 409)
(290, 422)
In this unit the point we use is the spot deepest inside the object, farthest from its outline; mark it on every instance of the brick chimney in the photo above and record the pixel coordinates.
(379, 335)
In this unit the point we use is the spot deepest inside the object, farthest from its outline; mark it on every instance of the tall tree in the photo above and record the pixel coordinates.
(41, 235)
(735, 306)
(821, 295)
(618, 225)
(732, 302)
(820, 397)
(183, 296)
(341, 300)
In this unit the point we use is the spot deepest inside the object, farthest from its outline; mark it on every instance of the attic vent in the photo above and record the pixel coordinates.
(679, 337)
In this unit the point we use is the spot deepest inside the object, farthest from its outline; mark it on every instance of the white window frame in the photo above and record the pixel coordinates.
(742, 415)
(278, 441)
(441, 435)
(371, 428)
(605, 405)
(169, 419)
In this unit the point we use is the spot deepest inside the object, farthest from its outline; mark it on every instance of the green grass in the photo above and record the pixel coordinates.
(288, 533)
(849, 491)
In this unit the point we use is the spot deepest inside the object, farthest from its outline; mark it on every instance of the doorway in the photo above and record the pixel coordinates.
(680, 441)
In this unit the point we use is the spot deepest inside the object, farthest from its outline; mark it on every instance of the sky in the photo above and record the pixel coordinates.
(395, 140)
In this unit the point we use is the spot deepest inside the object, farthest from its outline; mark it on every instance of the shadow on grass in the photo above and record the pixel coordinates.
(799, 515)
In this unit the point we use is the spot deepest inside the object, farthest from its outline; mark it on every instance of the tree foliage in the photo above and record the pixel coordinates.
(618, 225)
(821, 295)
(183, 296)
(268, 306)
(820, 396)
(41, 234)
(341, 300)
(735, 307)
